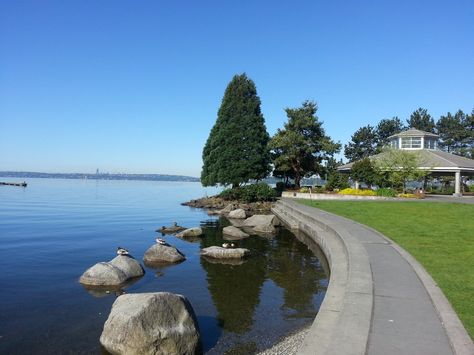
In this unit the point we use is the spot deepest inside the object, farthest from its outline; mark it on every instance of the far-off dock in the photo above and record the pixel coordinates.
(21, 184)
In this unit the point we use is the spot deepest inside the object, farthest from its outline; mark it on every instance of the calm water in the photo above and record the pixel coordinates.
(53, 230)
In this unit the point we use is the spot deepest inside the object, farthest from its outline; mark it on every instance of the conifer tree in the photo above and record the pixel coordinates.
(236, 150)
(422, 120)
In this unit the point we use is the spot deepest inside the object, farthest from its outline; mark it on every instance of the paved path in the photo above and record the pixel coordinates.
(404, 319)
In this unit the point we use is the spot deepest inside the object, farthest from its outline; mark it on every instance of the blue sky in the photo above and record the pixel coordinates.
(128, 86)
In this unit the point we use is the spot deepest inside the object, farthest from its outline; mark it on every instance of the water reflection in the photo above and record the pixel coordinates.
(236, 286)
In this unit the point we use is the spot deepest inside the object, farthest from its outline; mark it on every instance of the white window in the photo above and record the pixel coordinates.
(411, 142)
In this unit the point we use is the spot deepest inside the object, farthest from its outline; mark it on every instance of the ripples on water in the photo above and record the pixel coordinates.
(53, 230)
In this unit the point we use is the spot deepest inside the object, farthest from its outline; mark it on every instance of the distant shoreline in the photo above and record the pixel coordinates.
(85, 176)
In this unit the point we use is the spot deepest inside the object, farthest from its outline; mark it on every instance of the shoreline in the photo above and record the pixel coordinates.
(288, 345)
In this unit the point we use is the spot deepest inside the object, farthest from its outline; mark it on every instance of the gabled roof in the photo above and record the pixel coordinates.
(413, 132)
(432, 159)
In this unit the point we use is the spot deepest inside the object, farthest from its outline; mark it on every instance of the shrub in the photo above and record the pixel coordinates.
(319, 189)
(304, 190)
(407, 196)
(386, 192)
(471, 188)
(250, 193)
(337, 181)
(357, 192)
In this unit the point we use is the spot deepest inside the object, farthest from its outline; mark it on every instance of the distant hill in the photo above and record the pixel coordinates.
(145, 177)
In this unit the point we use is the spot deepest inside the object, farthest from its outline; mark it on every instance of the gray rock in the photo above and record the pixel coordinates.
(171, 229)
(151, 323)
(190, 232)
(225, 253)
(237, 214)
(261, 220)
(270, 229)
(128, 265)
(234, 232)
(158, 253)
(112, 273)
(236, 222)
(228, 208)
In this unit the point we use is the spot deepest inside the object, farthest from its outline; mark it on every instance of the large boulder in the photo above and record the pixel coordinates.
(225, 253)
(261, 220)
(190, 232)
(112, 273)
(234, 233)
(159, 253)
(151, 323)
(237, 214)
(228, 208)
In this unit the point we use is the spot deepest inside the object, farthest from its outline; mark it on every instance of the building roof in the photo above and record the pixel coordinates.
(413, 132)
(435, 160)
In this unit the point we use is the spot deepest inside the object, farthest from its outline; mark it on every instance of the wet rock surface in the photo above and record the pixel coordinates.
(190, 233)
(234, 233)
(112, 273)
(225, 253)
(158, 253)
(151, 323)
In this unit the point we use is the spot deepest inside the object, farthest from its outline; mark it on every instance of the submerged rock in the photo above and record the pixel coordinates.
(190, 232)
(237, 214)
(225, 253)
(159, 253)
(171, 229)
(112, 273)
(270, 229)
(151, 323)
(234, 232)
(262, 220)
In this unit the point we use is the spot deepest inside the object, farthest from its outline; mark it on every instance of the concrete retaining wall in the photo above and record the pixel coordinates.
(343, 322)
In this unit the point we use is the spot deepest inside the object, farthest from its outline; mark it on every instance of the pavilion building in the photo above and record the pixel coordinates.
(437, 162)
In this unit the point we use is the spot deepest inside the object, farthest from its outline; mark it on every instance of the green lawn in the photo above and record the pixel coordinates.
(439, 235)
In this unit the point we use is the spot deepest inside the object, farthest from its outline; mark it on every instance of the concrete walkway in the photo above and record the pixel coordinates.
(407, 307)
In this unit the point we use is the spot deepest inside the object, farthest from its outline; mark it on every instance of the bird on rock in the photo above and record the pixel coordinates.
(122, 251)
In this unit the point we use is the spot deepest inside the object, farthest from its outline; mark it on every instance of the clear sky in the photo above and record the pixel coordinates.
(134, 86)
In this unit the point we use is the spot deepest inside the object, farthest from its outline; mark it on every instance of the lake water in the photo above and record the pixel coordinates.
(53, 230)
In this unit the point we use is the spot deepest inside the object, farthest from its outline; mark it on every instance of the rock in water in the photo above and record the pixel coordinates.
(237, 214)
(234, 232)
(224, 253)
(163, 254)
(112, 273)
(261, 220)
(190, 232)
(270, 229)
(151, 323)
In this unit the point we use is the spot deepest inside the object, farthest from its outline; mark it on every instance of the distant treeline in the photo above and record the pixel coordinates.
(145, 177)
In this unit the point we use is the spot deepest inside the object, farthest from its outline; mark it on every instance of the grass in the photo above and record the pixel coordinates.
(439, 235)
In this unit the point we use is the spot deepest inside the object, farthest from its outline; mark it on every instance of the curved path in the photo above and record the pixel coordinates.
(379, 300)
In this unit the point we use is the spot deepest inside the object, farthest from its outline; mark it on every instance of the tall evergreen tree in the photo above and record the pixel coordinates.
(237, 148)
(386, 128)
(457, 133)
(362, 145)
(301, 146)
(422, 120)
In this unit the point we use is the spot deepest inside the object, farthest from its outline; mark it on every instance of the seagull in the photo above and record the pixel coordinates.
(161, 241)
(122, 251)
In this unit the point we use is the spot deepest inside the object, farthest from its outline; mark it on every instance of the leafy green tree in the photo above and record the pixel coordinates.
(364, 171)
(386, 128)
(237, 148)
(301, 146)
(422, 120)
(400, 166)
(362, 145)
(456, 133)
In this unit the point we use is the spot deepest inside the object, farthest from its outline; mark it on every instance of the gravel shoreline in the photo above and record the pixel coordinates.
(288, 345)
